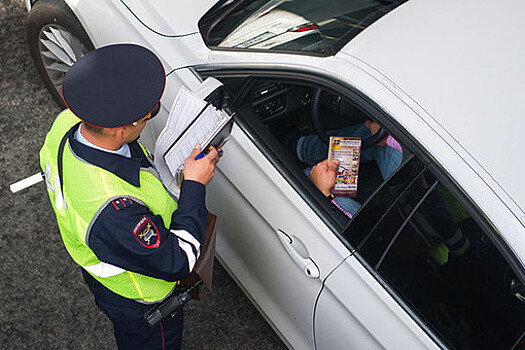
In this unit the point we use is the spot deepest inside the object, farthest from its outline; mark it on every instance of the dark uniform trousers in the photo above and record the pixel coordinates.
(130, 328)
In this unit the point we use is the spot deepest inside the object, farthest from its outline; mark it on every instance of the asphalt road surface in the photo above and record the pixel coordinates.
(43, 301)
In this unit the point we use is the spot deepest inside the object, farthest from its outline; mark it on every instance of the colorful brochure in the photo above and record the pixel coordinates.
(348, 151)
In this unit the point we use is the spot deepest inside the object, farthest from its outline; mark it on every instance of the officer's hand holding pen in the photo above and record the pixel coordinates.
(202, 169)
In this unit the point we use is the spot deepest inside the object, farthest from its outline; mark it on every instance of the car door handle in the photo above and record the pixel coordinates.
(299, 253)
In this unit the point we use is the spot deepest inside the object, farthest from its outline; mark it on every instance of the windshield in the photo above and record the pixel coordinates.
(314, 26)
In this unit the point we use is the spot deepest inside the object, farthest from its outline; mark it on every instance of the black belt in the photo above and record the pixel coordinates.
(157, 312)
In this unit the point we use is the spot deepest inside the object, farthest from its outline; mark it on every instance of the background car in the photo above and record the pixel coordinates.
(434, 257)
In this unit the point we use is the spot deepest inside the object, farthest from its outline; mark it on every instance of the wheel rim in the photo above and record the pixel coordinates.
(59, 50)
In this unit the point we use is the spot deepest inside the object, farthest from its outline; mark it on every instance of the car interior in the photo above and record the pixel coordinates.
(281, 110)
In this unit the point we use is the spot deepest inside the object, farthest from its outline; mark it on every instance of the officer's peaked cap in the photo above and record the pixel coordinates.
(114, 85)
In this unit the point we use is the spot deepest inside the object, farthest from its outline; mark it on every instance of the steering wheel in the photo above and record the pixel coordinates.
(320, 128)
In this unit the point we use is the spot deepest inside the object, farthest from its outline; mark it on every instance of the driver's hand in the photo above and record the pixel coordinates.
(374, 127)
(323, 175)
(201, 170)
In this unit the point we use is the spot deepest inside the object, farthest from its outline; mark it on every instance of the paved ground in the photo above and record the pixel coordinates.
(44, 303)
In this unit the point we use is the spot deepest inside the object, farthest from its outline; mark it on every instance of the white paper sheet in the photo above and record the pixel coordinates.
(201, 131)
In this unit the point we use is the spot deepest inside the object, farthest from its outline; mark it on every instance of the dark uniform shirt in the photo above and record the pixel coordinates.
(113, 238)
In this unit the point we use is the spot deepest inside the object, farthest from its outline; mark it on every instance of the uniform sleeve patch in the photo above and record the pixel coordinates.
(121, 203)
(146, 233)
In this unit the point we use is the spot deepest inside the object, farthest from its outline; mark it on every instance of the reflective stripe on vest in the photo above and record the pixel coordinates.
(87, 189)
(103, 270)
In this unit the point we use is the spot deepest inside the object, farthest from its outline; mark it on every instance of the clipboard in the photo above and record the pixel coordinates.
(218, 138)
(210, 126)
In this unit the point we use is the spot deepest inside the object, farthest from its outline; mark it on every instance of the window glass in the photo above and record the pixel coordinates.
(444, 265)
(365, 221)
(384, 229)
(321, 27)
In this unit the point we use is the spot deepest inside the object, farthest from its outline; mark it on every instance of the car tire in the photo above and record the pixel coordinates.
(56, 41)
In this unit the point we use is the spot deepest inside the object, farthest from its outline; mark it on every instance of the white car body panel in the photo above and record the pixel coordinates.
(160, 15)
(439, 64)
(348, 311)
(109, 22)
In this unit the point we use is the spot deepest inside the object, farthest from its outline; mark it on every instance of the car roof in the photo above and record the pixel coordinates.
(463, 62)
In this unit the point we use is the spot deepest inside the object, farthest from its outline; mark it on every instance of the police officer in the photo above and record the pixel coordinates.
(133, 241)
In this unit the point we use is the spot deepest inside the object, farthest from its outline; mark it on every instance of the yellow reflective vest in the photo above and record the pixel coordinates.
(80, 191)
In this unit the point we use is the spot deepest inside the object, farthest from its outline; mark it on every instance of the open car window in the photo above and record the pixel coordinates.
(313, 26)
(280, 114)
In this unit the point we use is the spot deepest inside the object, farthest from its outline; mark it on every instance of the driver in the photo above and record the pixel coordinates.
(311, 150)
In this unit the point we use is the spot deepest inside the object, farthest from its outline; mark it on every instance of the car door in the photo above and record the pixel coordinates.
(276, 230)
(273, 243)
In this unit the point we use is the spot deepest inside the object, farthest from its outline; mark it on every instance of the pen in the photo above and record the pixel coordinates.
(201, 155)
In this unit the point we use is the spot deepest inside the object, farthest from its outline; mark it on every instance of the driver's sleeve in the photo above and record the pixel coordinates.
(392, 142)
(347, 213)
(128, 235)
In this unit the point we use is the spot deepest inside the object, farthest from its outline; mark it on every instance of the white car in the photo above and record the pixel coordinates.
(445, 78)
